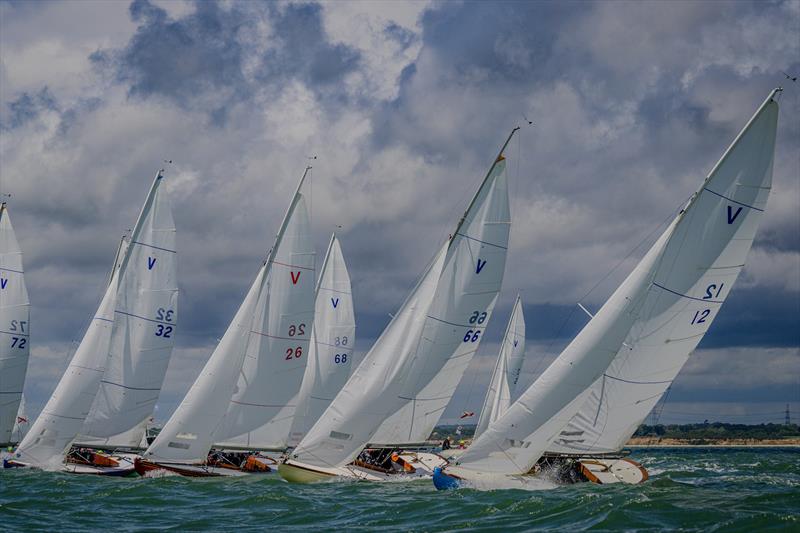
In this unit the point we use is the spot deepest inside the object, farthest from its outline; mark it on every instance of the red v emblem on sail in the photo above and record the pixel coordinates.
(295, 277)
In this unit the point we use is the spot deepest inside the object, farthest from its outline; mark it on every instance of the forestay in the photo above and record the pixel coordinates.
(505, 377)
(685, 296)
(14, 326)
(662, 302)
(330, 355)
(443, 318)
(65, 412)
(145, 325)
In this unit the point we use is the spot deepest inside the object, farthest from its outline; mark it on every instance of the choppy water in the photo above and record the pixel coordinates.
(689, 489)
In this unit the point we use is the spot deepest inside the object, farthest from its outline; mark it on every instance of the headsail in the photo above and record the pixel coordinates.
(66, 410)
(505, 377)
(14, 326)
(668, 300)
(330, 354)
(202, 418)
(444, 318)
(727, 212)
(145, 325)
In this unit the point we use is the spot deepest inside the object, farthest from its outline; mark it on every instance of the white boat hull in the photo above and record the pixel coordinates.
(423, 462)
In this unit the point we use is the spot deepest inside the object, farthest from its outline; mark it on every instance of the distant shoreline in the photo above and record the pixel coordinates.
(651, 442)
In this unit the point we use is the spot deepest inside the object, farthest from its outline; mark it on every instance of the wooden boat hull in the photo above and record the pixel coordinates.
(145, 468)
(610, 471)
(125, 468)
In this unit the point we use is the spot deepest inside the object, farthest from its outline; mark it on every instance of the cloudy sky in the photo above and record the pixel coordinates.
(405, 104)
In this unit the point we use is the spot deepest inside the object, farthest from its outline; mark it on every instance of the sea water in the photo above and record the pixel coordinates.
(690, 489)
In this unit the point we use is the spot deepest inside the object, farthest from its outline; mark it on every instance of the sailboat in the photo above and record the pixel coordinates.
(594, 395)
(505, 377)
(15, 330)
(245, 393)
(333, 337)
(431, 338)
(128, 341)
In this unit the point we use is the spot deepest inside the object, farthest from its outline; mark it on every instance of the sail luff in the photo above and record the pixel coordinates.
(477, 194)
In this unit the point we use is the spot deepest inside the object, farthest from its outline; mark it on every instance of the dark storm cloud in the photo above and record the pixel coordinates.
(202, 57)
(27, 107)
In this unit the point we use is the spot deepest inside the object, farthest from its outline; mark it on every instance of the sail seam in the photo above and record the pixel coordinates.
(685, 296)
(15, 333)
(482, 242)
(298, 338)
(12, 270)
(732, 200)
(454, 324)
(144, 318)
(154, 247)
(637, 382)
(126, 387)
(291, 266)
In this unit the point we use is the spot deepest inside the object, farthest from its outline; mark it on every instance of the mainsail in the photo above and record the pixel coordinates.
(661, 341)
(66, 410)
(145, 325)
(443, 318)
(14, 326)
(330, 354)
(201, 419)
(505, 377)
(661, 310)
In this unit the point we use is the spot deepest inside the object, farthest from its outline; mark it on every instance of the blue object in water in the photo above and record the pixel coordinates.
(444, 481)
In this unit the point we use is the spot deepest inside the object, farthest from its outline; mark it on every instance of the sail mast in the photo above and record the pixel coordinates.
(483, 183)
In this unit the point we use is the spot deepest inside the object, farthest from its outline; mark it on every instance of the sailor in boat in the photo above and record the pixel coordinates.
(446, 443)
(401, 466)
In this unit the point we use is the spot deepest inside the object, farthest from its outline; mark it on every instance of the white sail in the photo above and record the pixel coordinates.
(662, 302)
(21, 425)
(14, 326)
(145, 326)
(444, 317)
(263, 404)
(62, 417)
(196, 423)
(65, 412)
(202, 418)
(505, 377)
(330, 355)
(726, 213)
